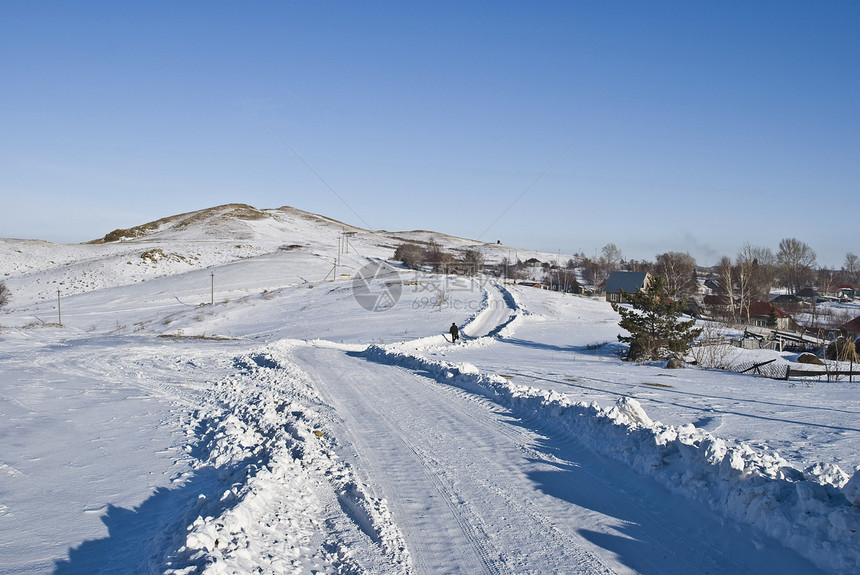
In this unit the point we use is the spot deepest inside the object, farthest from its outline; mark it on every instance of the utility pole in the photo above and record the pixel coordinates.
(212, 297)
(59, 312)
(346, 236)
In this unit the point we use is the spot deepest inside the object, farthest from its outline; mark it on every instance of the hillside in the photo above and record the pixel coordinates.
(306, 244)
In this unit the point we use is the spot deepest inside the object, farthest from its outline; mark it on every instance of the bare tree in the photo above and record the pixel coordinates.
(726, 281)
(827, 280)
(4, 294)
(851, 268)
(761, 264)
(744, 271)
(611, 256)
(596, 271)
(437, 257)
(796, 261)
(679, 271)
(474, 261)
(638, 266)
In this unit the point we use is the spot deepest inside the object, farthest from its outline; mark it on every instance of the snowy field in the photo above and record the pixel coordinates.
(228, 405)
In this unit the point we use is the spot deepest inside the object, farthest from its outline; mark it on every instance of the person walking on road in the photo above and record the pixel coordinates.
(455, 333)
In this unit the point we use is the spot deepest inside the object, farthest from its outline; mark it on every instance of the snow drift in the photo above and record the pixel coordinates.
(282, 500)
(815, 511)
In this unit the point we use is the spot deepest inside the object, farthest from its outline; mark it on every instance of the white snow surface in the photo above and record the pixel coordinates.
(282, 427)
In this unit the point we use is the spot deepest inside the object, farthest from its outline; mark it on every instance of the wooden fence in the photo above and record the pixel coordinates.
(829, 374)
(768, 369)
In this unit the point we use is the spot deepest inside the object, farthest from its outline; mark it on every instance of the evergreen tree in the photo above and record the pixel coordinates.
(653, 322)
(772, 322)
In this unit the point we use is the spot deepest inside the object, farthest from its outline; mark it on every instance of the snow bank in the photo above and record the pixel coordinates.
(281, 500)
(815, 511)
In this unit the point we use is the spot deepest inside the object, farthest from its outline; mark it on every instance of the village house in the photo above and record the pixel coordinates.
(808, 293)
(712, 286)
(765, 314)
(851, 329)
(626, 282)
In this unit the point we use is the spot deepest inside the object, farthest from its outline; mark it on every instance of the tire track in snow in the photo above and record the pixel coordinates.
(448, 455)
(486, 415)
(438, 545)
(471, 526)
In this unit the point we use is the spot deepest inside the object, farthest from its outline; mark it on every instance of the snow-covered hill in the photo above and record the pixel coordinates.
(292, 426)
(304, 244)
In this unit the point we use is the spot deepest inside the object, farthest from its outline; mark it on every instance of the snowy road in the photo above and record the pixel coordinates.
(475, 490)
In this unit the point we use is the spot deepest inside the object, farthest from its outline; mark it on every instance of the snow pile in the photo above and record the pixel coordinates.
(816, 511)
(280, 499)
(852, 489)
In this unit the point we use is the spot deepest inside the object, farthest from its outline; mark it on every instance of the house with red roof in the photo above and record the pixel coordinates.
(765, 314)
(851, 329)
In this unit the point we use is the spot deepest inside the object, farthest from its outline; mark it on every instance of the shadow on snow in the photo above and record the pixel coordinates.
(141, 540)
(655, 531)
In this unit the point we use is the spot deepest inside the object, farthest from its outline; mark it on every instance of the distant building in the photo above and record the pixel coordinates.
(786, 300)
(808, 293)
(626, 282)
(712, 285)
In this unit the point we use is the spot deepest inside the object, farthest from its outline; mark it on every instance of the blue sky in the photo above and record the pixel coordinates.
(683, 126)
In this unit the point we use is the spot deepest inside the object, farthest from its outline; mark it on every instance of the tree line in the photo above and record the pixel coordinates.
(750, 276)
(415, 256)
(753, 272)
